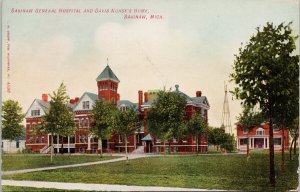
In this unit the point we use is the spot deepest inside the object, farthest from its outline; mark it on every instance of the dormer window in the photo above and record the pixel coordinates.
(123, 108)
(85, 105)
(35, 113)
(260, 131)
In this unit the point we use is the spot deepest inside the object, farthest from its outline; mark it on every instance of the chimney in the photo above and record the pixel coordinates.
(146, 96)
(72, 101)
(140, 98)
(45, 97)
(76, 99)
(118, 97)
(198, 93)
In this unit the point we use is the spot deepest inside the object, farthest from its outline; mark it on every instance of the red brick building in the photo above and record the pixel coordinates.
(81, 141)
(259, 138)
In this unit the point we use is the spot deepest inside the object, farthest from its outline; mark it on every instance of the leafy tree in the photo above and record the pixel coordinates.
(262, 69)
(166, 117)
(288, 110)
(228, 142)
(216, 136)
(196, 126)
(101, 125)
(127, 122)
(294, 132)
(59, 119)
(67, 127)
(249, 119)
(12, 118)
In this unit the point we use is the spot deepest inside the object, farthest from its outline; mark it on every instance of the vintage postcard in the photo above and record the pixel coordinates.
(150, 95)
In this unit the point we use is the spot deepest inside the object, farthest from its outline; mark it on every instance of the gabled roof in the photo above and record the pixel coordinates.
(127, 104)
(45, 105)
(107, 74)
(203, 100)
(93, 97)
(147, 138)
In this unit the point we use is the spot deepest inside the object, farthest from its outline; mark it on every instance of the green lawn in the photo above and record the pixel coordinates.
(208, 172)
(14, 188)
(16, 162)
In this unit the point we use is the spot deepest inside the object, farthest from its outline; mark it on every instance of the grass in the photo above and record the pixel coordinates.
(17, 188)
(230, 172)
(16, 162)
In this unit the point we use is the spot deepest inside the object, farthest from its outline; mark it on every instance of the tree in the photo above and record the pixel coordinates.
(262, 69)
(59, 119)
(166, 117)
(196, 126)
(127, 122)
(12, 118)
(101, 125)
(216, 136)
(294, 132)
(67, 127)
(228, 142)
(248, 120)
(287, 111)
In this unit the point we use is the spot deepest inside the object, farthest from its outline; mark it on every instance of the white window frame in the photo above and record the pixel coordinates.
(86, 105)
(260, 130)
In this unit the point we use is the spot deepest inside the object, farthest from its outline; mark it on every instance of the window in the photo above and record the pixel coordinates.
(84, 122)
(84, 138)
(80, 122)
(245, 130)
(43, 139)
(31, 139)
(158, 140)
(88, 122)
(85, 105)
(72, 139)
(36, 139)
(243, 141)
(276, 128)
(277, 141)
(123, 108)
(30, 126)
(17, 144)
(174, 140)
(260, 131)
(35, 113)
(80, 139)
(2, 145)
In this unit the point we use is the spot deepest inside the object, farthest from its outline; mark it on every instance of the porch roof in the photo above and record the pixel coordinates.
(147, 138)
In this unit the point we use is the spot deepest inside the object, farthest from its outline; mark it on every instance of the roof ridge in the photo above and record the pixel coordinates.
(107, 74)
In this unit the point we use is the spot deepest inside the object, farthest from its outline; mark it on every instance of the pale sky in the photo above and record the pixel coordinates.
(193, 45)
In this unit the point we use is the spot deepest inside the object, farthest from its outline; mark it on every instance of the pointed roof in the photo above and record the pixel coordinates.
(92, 96)
(107, 74)
(147, 138)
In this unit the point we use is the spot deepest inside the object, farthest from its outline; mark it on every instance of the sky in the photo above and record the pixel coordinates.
(189, 43)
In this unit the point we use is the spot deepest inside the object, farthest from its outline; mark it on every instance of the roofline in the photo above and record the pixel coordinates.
(104, 79)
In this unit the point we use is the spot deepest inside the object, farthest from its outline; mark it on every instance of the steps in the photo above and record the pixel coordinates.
(45, 149)
(139, 150)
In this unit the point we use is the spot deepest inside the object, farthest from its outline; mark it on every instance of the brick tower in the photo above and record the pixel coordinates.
(107, 83)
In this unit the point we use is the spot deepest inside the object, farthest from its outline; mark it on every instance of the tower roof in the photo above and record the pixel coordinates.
(107, 74)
